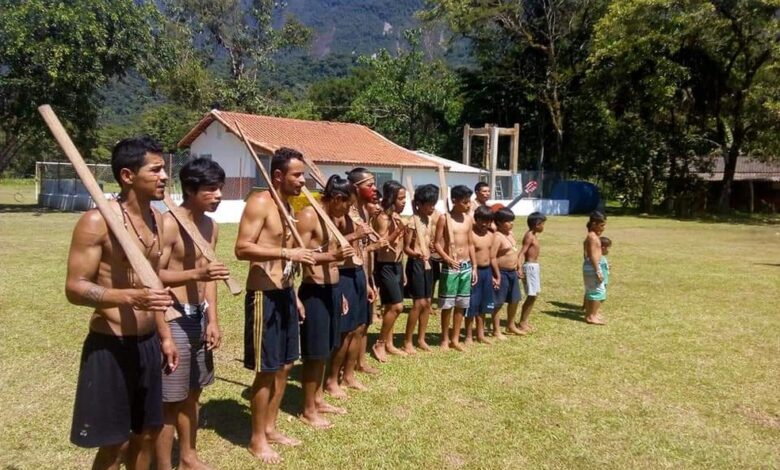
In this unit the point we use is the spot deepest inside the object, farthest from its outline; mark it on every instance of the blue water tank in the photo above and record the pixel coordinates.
(583, 196)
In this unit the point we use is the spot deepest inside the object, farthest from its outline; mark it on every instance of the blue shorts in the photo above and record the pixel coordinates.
(354, 286)
(271, 331)
(509, 291)
(320, 330)
(482, 300)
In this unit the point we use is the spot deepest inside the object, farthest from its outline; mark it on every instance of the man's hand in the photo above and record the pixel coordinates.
(474, 276)
(361, 230)
(344, 305)
(496, 283)
(170, 355)
(344, 252)
(150, 300)
(600, 275)
(520, 273)
(301, 255)
(213, 336)
(301, 310)
(453, 264)
(214, 271)
(371, 294)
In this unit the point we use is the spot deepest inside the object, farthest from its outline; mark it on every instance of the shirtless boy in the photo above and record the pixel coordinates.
(271, 307)
(592, 270)
(531, 274)
(508, 291)
(419, 274)
(488, 279)
(460, 271)
(322, 298)
(481, 195)
(388, 270)
(196, 333)
(119, 390)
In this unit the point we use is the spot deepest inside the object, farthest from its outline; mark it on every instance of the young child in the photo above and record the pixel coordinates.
(507, 257)
(592, 271)
(529, 260)
(606, 245)
(454, 245)
(482, 301)
(419, 272)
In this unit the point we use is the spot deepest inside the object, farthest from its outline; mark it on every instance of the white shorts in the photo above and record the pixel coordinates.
(533, 279)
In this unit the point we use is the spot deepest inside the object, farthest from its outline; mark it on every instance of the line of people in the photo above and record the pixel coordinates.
(131, 410)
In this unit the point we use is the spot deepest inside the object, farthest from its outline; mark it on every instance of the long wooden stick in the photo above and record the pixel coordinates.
(137, 260)
(287, 218)
(329, 225)
(354, 213)
(203, 245)
(443, 194)
(418, 226)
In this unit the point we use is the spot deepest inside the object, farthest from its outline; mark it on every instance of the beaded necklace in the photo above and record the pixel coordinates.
(155, 231)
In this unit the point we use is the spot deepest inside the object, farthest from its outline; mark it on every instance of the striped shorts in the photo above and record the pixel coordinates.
(196, 364)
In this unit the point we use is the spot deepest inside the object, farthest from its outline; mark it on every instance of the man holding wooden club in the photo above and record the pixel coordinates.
(119, 391)
(192, 278)
(272, 310)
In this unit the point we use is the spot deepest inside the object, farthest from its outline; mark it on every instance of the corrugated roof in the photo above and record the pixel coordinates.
(322, 141)
(455, 167)
(747, 169)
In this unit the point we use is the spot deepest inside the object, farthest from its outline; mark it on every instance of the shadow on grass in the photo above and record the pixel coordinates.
(24, 209)
(566, 310)
(774, 265)
(230, 419)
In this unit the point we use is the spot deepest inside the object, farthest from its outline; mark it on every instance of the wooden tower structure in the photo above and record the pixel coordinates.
(491, 133)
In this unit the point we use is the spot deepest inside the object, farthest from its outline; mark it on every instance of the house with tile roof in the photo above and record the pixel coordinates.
(756, 184)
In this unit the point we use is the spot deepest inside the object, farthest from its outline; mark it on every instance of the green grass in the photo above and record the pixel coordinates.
(685, 375)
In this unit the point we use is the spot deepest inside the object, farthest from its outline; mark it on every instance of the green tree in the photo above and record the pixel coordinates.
(708, 66)
(410, 100)
(61, 53)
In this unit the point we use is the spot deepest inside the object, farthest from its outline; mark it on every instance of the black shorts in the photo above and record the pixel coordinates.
(353, 285)
(436, 271)
(320, 331)
(271, 331)
(389, 278)
(419, 281)
(119, 389)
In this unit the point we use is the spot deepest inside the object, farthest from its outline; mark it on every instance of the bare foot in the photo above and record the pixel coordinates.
(379, 351)
(500, 336)
(424, 346)
(484, 340)
(513, 330)
(275, 437)
(468, 341)
(331, 409)
(458, 347)
(366, 369)
(409, 349)
(394, 351)
(266, 454)
(333, 389)
(595, 321)
(445, 346)
(316, 421)
(355, 384)
(194, 464)
(527, 327)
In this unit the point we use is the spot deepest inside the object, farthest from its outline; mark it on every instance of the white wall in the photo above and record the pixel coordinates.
(225, 149)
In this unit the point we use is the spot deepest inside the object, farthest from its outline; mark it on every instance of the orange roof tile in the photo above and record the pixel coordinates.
(322, 141)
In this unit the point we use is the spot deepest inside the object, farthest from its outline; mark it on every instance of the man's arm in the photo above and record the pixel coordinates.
(439, 242)
(528, 241)
(472, 255)
(84, 256)
(213, 332)
(494, 261)
(410, 240)
(214, 271)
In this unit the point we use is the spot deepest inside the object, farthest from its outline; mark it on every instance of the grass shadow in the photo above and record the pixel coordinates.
(774, 265)
(24, 209)
(230, 419)
(567, 313)
(566, 305)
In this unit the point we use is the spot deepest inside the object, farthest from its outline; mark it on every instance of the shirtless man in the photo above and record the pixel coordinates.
(119, 390)
(196, 333)
(488, 278)
(388, 270)
(481, 195)
(271, 308)
(459, 273)
(322, 298)
(529, 261)
(508, 291)
(419, 274)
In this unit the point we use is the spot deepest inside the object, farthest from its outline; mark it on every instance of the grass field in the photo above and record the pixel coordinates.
(685, 375)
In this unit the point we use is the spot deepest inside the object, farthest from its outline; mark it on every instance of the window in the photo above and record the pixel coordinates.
(381, 177)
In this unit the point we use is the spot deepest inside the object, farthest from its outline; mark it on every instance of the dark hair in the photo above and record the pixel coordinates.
(483, 213)
(535, 218)
(131, 153)
(596, 217)
(390, 192)
(356, 174)
(480, 185)
(460, 192)
(282, 157)
(503, 215)
(605, 241)
(337, 186)
(198, 173)
(426, 194)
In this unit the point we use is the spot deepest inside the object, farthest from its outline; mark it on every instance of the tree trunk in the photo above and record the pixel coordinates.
(730, 167)
(647, 194)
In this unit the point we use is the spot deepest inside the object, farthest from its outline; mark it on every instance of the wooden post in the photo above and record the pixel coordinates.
(493, 139)
(467, 145)
(752, 196)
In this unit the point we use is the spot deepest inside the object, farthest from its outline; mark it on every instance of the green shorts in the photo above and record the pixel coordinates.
(455, 286)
